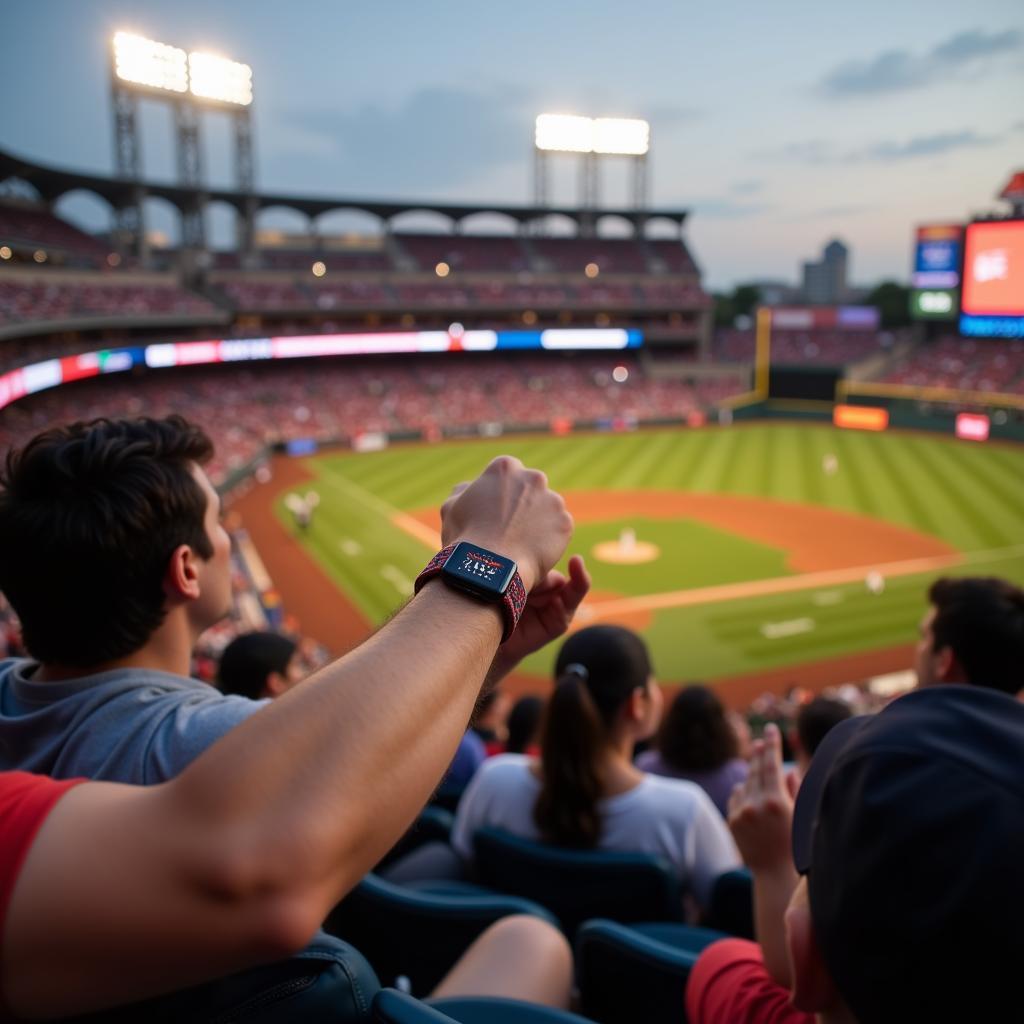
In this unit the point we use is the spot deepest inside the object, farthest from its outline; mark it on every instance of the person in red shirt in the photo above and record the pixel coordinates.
(906, 843)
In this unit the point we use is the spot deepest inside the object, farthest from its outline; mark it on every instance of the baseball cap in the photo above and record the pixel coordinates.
(909, 826)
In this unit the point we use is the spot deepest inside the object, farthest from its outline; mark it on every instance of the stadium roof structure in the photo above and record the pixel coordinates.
(52, 182)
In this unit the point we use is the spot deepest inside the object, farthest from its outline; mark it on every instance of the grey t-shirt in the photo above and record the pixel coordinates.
(127, 725)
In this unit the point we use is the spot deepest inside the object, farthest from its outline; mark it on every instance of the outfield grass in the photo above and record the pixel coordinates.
(971, 496)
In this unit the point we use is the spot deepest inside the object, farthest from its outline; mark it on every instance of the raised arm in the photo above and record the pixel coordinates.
(128, 892)
(761, 820)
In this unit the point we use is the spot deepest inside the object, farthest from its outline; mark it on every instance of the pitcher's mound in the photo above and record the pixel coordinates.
(626, 554)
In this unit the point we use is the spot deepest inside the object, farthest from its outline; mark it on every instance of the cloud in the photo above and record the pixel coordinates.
(723, 208)
(664, 115)
(747, 187)
(900, 70)
(817, 152)
(809, 151)
(837, 212)
(437, 137)
(969, 46)
(924, 145)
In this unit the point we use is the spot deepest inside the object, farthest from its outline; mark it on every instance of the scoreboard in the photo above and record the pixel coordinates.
(935, 281)
(992, 304)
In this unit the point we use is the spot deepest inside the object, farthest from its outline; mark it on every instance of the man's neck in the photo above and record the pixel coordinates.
(169, 649)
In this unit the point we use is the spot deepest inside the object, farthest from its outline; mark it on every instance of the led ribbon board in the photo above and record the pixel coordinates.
(51, 373)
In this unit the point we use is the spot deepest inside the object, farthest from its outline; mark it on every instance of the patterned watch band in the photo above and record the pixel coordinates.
(513, 601)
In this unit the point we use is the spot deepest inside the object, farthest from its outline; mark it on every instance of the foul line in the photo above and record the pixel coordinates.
(420, 531)
(785, 584)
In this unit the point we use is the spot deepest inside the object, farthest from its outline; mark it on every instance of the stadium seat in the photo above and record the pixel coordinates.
(637, 973)
(394, 1007)
(447, 797)
(433, 825)
(328, 982)
(415, 934)
(732, 904)
(579, 884)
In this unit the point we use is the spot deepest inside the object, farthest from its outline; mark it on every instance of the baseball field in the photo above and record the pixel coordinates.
(767, 552)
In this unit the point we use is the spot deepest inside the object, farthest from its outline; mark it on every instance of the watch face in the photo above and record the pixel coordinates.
(479, 570)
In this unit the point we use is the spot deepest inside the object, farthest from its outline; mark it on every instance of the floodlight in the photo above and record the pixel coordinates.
(216, 78)
(147, 62)
(564, 133)
(621, 136)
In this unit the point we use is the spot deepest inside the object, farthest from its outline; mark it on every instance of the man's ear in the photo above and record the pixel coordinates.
(947, 666)
(275, 685)
(181, 579)
(813, 988)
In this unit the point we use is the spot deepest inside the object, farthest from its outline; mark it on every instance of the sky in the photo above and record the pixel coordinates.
(779, 126)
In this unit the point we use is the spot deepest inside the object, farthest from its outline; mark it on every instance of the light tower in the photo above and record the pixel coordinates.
(591, 140)
(191, 83)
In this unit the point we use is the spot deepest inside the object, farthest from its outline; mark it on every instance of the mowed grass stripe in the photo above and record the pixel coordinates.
(644, 470)
(605, 470)
(806, 453)
(359, 576)
(906, 481)
(802, 605)
(682, 459)
(1003, 500)
(827, 621)
(711, 470)
(968, 503)
(869, 477)
(740, 470)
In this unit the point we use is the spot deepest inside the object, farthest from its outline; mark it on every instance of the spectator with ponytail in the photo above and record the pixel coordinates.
(585, 792)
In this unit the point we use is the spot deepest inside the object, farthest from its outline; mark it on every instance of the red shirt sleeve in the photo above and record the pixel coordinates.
(729, 985)
(25, 801)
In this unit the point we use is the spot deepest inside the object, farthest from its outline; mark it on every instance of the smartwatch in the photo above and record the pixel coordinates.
(482, 574)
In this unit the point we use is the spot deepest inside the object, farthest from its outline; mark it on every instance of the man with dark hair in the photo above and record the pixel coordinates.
(113, 555)
(973, 633)
(906, 838)
(259, 665)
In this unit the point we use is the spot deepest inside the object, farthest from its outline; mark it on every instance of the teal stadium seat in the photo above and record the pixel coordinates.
(393, 1007)
(576, 885)
(418, 934)
(628, 974)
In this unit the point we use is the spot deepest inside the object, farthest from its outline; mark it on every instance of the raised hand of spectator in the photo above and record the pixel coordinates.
(511, 510)
(761, 807)
(549, 612)
(761, 821)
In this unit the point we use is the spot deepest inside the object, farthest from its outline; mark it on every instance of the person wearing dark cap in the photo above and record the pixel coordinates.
(258, 665)
(907, 837)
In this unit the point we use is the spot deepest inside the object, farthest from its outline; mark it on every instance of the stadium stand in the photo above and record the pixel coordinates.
(963, 363)
(55, 298)
(246, 409)
(814, 347)
(26, 229)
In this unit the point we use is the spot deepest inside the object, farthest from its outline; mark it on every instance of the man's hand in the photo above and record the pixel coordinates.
(511, 510)
(761, 808)
(548, 614)
(761, 820)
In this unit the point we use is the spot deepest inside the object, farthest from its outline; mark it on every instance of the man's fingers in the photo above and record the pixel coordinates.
(772, 767)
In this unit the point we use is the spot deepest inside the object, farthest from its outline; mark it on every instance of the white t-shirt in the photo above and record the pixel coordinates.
(671, 818)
